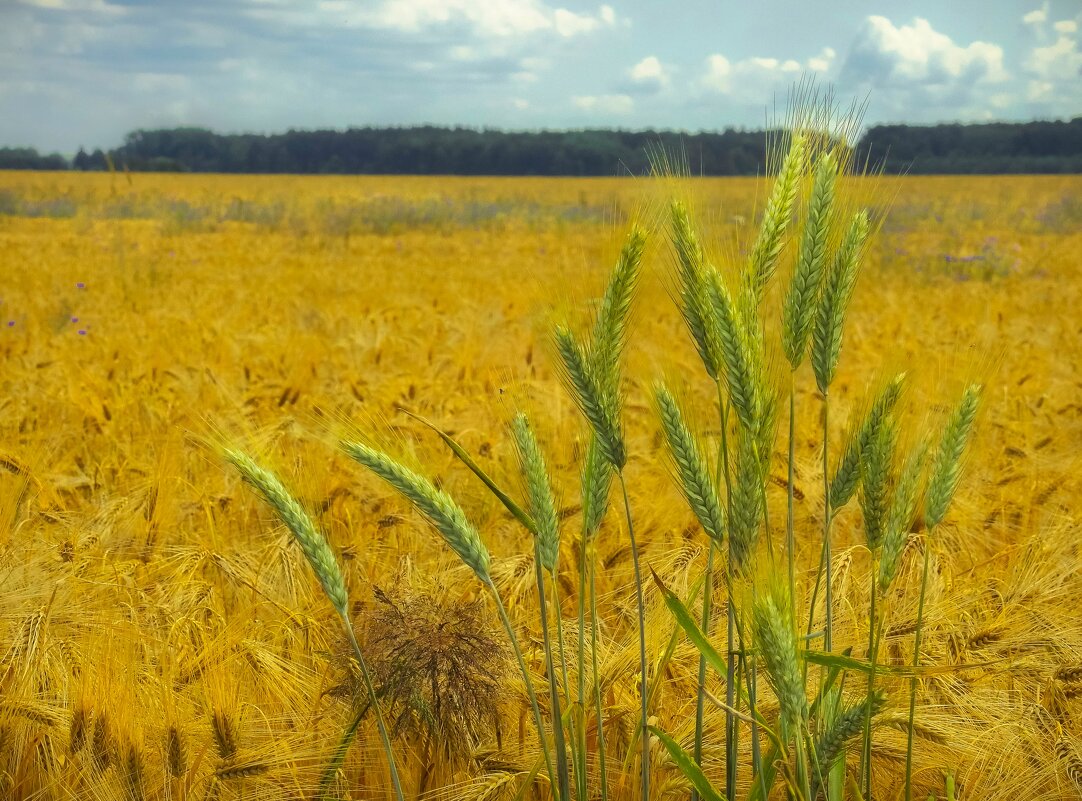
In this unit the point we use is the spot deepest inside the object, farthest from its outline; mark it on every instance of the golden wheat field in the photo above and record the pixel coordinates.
(162, 636)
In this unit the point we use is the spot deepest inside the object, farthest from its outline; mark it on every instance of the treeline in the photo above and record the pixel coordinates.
(1033, 147)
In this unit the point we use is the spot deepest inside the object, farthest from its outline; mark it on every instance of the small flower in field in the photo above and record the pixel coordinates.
(80, 285)
(82, 332)
(11, 323)
(75, 319)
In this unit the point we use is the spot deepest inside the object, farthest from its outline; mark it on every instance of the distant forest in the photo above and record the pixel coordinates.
(1033, 147)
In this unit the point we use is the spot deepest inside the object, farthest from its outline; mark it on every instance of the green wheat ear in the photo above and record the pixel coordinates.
(289, 511)
(947, 462)
(775, 634)
(542, 505)
(876, 481)
(695, 303)
(596, 483)
(847, 475)
(900, 516)
(779, 209)
(437, 506)
(830, 316)
(610, 327)
(600, 408)
(798, 313)
(696, 482)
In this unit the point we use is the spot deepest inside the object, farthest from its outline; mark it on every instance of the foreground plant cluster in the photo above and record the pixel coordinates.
(800, 738)
(820, 617)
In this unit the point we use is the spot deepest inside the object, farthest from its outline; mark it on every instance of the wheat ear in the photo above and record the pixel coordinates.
(437, 506)
(774, 632)
(847, 475)
(321, 558)
(847, 725)
(695, 305)
(542, 505)
(798, 311)
(696, 483)
(779, 209)
(289, 511)
(600, 408)
(876, 481)
(830, 316)
(610, 327)
(947, 462)
(900, 515)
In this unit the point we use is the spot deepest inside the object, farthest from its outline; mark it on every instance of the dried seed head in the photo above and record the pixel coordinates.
(176, 752)
(225, 733)
(80, 722)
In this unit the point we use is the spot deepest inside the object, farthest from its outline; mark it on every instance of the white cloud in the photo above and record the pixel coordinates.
(97, 6)
(754, 79)
(1037, 16)
(919, 54)
(506, 18)
(650, 73)
(1065, 26)
(822, 62)
(604, 104)
(568, 23)
(519, 103)
(1060, 61)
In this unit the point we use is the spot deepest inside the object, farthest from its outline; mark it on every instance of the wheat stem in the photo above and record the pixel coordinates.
(558, 738)
(916, 663)
(513, 637)
(641, 608)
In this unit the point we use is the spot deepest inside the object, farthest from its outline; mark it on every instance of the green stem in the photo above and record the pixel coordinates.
(538, 721)
(790, 535)
(580, 764)
(554, 691)
(874, 636)
(828, 636)
(700, 703)
(341, 751)
(913, 681)
(602, 762)
(384, 736)
(642, 644)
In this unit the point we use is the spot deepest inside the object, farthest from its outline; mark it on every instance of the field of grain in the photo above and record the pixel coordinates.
(162, 637)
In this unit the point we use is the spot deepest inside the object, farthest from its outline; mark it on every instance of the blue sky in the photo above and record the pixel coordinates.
(85, 72)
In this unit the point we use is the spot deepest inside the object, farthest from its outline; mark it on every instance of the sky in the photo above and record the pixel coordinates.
(86, 72)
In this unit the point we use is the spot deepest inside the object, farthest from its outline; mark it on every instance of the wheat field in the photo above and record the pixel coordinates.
(161, 636)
